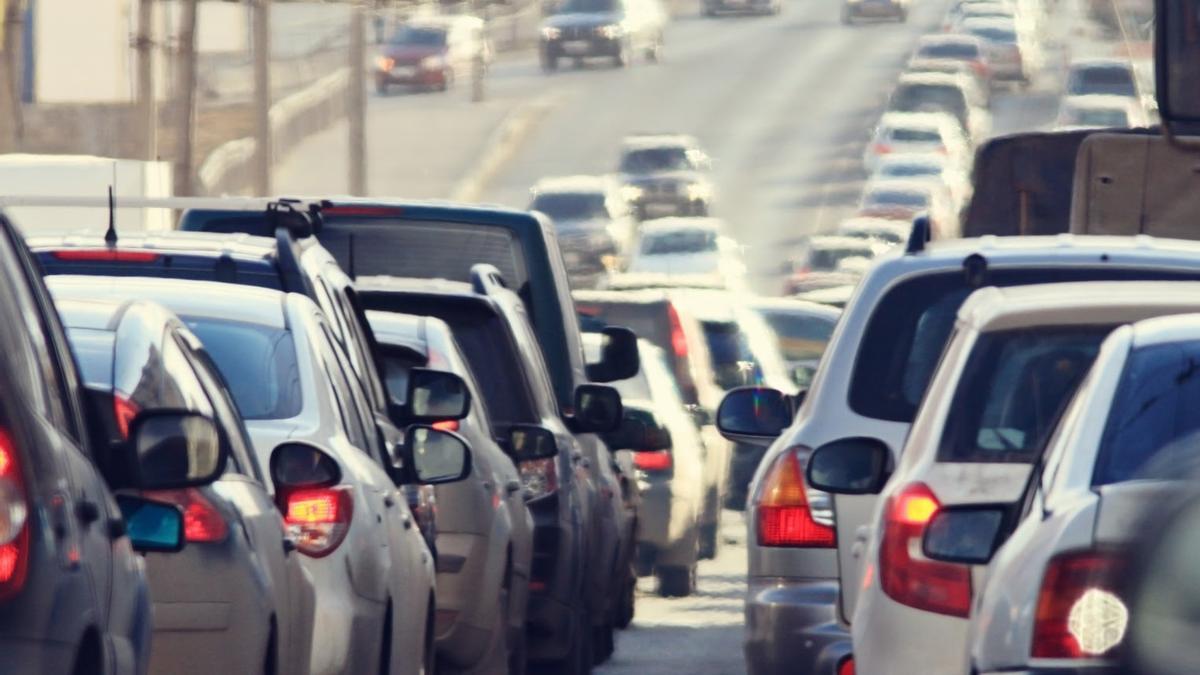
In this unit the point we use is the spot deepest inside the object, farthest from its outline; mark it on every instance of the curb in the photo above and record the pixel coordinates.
(501, 146)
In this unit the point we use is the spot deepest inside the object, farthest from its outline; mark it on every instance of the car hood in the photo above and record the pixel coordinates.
(582, 20)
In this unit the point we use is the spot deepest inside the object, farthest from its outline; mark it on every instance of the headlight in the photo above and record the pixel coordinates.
(385, 63)
(611, 31)
(551, 33)
(699, 191)
(432, 62)
(631, 193)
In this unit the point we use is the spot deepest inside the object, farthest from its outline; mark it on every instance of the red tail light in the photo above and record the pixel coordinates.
(202, 523)
(318, 518)
(124, 411)
(980, 68)
(846, 667)
(881, 148)
(104, 255)
(348, 210)
(904, 572)
(539, 477)
(658, 460)
(783, 511)
(14, 511)
(1079, 614)
(446, 425)
(679, 344)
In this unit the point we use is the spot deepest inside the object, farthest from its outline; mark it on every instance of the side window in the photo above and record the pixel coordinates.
(354, 316)
(224, 409)
(529, 344)
(183, 388)
(352, 420)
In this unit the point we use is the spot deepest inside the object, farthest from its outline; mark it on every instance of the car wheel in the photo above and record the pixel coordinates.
(603, 643)
(709, 541)
(628, 603)
(676, 582)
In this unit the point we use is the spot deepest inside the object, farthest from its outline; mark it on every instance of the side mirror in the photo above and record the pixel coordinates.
(436, 456)
(436, 395)
(700, 415)
(851, 466)
(1177, 61)
(755, 415)
(967, 535)
(152, 527)
(528, 442)
(639, 431)
(170, 449)
(619, 358)
(303, 465)
(597, 408)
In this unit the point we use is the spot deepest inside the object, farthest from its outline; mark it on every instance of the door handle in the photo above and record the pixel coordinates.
(512, 486)
(407, 522)
(389, 501)
(87, 512)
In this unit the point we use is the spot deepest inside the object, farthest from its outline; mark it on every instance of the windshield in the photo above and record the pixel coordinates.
(258, 363)
(1013, 390)
(910, 135)
(589, 6)
(826, 258)
(1113, 80)
(1098, 117)
(651, 160)
(679, 242)
(571, 205)
(949, 50)
(1000, 35)
(930, 98)
(418, 36)
(909, 170)
(883, 198)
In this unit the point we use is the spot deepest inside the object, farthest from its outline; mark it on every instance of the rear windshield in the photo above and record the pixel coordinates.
(896, 197)
(1153, 429)
(650, 160)
(571, 205)
(649, 320)
(910, 324)
(909, 170)
(996, 34)
(588, 6)
(827, 259)
(1103, 80)
(951, 50)
(413, 35)
(929, 98)
(682, 241)
(258, 363)
(1013, 390)
(1098, 117)
(801, 337)
(910, 135)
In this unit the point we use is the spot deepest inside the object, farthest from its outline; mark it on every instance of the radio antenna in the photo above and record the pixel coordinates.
(110, 237)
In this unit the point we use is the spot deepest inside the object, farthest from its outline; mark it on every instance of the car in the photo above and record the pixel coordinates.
(692, 247)
(954, 94)
(1098, 111)
(433, 52)
(985, 10)
(949, 47)
(593, 221)
(620, 30)
(1012, 55)
(884, 230)
(892, 9)
(1016, 357)
(803, 330)
(670, 472)
(578, 578)
(873, 376)
(1118, 462)
(903, 132)
(137, 357)
(904, 199)
(73, 590)
(485, 531)
(930, 167)
(665, 175)
(656, 318)
(308, 419)
(822, 254)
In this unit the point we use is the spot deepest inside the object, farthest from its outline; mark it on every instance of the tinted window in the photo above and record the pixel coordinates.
(1012, 391)
(929, 98)
(257, 362)
(681, 241)
(571, 205)
(656, 159)
(1098, 117)
(909, 135)
(420, 36)
(899, 170)
(589, 6)
(1153, 429)
(949, 50)
(1103, 80)
(800, 337)
(897, 197)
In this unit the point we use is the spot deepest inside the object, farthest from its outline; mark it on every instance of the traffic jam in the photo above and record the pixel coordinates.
(954, 432)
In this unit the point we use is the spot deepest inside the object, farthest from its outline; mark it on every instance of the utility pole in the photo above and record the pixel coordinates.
(11, 66)
(261, 36)
(358, 101)
(185, 104)
(147, 99)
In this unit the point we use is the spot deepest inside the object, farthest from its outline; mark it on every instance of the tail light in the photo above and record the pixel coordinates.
(658, 460)
(979, 67)
(846, 667)
(1079, 612)
(881, 148)
(904, 572)
(104, 255)
(202, 522)
(784, 510)
(679, 345)
(318, 518)
(124, 411)
(14, 511)
(539, 477)
(446, 425)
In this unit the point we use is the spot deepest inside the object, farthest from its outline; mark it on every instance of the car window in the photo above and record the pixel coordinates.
(258, 364)
(224, 411)
(1153, 430)
(930, 98)
(522, 329)
(1013, 389)
(734, 364)
(896, 197)
(498, 367)
(801, 337)
(571, 205)
(362, 420)
(680, 241)
(650, 160)
(589, 6)
(1103, 80)
(339, 385)
(418, 36)
(911, 135)
(949, 50)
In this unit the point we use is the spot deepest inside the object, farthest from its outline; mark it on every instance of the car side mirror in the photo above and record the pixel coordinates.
(435, 396)
(597, 408)
(619, 358)
(851, 466)
(303, 465)
(436, 456)
(152, 527)
(967, 535)
(527, 442)
(640, 431)
(171, 449)
(755, 415)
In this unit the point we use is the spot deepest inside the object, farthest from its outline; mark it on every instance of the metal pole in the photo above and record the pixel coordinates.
(262, 96)
(147, 100)
(357, 141)
(185, 104)
(12, 128)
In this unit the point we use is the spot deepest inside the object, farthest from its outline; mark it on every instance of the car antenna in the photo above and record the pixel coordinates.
(110, 236)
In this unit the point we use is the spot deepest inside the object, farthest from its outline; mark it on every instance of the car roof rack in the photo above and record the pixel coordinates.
(919, 236)
(486, 278)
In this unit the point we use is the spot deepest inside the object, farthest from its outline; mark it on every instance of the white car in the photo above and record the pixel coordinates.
(1011, 53)
(901, 132)
(1099, 111)
(962, 48)
(296, 389)
(689, 247)
(954, 94)
(929, 167)
(887, 231)
(1016, 357)
(903, 200)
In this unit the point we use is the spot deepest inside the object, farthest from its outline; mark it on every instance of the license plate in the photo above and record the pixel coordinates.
(576, 46)
(404, 71)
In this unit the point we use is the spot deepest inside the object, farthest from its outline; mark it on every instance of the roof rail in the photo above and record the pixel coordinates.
(485, 278)
(920, 235)
(287, 213)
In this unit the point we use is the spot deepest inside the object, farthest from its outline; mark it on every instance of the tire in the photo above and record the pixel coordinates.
(710, 541)
(676, 582)
(627, 605)
(643, 565)
(604, 643)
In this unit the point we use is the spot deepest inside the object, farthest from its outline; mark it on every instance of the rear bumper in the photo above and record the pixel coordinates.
(792, 627)
(420, 76)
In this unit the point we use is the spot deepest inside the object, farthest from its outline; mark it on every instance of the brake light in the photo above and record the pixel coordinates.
(881, 148)
(784, 513)
(846, 667)
(124, 411)
(658, 460)
(679, 345)
(1079, 613)
(14, 511)
(104, 255)
(539, 477)
(353, 210)
(979, 67)
(318, 518)
(202, 522)
(446, 425)
(906, 575)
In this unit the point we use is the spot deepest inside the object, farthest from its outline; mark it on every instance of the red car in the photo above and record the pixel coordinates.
(432, 53)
